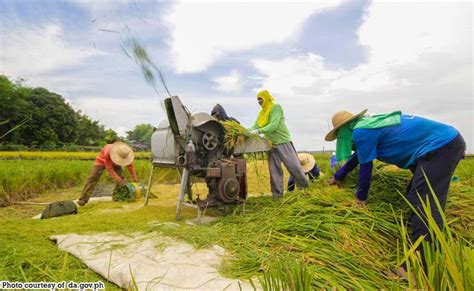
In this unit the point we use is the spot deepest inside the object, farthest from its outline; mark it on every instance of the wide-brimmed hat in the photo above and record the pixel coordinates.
(121, 154)
(307, 161)
(339, 119)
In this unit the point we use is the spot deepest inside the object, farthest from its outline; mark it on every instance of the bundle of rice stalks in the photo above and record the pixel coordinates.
(236, 134)
(386, 183)
(122, 193)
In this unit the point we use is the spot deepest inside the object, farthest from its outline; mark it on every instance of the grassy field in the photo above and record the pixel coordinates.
(320, 233)
(44, 155)
(22, 179)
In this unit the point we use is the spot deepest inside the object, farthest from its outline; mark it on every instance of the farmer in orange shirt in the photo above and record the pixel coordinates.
(112, 158)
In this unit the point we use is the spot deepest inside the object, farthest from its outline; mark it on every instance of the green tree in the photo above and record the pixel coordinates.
(110, 136)
(55, 122)
(90, 132)
(13, 109)
(46, 120)
(141, 134)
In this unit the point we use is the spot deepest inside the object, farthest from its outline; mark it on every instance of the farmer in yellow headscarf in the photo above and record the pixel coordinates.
(271, 122)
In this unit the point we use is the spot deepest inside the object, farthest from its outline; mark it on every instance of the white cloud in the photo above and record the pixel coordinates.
(294, 74)
(398, 33)
(420, 61)
(122, 114)
(203, 32)
(122, 131)
(229, 83)
(29, 52)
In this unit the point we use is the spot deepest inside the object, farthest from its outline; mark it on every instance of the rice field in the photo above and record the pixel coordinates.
(315, 239)
(43, 155)
(21, 179)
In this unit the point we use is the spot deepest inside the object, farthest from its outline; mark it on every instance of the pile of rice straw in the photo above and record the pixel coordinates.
(236, 134)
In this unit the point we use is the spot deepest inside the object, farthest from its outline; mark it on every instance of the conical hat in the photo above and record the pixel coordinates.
(339, 119)
(121, 154)
(307, 161)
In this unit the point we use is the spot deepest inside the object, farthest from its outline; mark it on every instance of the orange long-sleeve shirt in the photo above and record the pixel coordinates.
(103, 159)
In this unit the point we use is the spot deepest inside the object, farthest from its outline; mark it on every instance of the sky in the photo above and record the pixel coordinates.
(314, 57)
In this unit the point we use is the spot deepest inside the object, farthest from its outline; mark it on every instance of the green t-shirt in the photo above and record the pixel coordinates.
(275, 130)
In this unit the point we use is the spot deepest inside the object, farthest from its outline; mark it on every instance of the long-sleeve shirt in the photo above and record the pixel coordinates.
(275, 130)
(365, 175)
(103, 159)
(401, 145)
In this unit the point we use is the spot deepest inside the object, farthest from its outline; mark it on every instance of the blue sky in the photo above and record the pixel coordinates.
(315, 57)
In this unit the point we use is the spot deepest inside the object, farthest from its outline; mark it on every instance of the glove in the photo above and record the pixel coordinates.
(254, 131)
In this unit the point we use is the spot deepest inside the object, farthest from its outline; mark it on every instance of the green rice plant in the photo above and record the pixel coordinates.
(236, 134)
(344, 245)
(59, 155)
(387, 181)
(22, 179)
(134, 281)
(465, 172)
(448, 264)
(340, 241)
(323, 162)
(287, 275)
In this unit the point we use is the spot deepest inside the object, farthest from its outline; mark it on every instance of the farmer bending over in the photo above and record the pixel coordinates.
(112, 158)
(424, 146)
(309, 166)
(271, 122)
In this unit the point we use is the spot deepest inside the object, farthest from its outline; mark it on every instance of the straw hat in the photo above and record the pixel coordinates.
(307, 161)
(121, 154)
(339, 119)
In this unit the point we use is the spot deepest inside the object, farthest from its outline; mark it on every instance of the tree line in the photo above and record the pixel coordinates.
(44, 120)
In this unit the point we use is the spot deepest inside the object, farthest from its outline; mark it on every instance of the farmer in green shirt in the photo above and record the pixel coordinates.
(271, 122)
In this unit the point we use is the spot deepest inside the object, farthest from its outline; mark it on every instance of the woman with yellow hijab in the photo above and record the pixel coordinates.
(271, 122)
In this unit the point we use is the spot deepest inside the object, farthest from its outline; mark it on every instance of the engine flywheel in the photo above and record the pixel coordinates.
(230, 190)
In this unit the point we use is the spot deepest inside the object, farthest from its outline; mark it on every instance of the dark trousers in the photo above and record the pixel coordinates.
(93, 179)
(438, 166)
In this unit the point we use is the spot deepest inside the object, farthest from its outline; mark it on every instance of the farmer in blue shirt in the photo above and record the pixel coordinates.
(423, 146)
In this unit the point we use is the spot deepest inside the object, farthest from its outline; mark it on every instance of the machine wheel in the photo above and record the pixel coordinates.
(210, 141)
(230, 190)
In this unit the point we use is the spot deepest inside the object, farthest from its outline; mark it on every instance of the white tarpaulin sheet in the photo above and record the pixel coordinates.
(156, 262)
